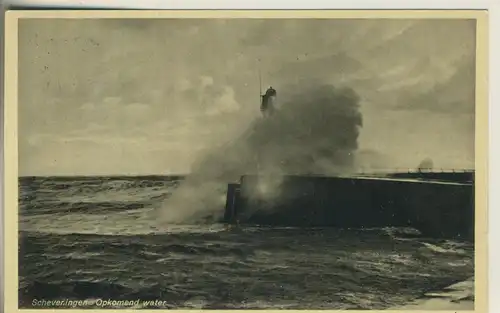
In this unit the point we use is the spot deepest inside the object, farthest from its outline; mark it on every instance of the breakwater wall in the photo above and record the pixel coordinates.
(436, 208)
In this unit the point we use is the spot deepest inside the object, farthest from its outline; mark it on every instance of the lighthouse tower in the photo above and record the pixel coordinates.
(267, 104)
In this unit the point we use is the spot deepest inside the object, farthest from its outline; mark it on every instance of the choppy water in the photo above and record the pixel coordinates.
(91, 238)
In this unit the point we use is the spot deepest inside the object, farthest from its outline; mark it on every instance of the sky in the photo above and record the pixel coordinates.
(141, 96)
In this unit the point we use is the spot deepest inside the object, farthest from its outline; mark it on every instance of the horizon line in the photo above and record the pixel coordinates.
(375, 171)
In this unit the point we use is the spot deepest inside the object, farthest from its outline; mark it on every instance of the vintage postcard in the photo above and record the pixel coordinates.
(330, 160)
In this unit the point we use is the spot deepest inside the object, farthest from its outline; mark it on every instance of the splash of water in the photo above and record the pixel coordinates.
(315, 131)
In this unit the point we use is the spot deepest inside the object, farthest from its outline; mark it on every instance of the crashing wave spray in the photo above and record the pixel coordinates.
(314, 132)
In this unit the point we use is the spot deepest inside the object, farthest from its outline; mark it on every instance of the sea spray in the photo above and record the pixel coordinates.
(315, 131)
(426, 165)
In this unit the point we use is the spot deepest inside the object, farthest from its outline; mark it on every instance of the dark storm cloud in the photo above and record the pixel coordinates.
(190, 85)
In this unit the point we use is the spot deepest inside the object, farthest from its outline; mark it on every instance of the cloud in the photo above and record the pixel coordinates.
(456, 93)
(206, 81)
(196, 81)
(224, 103)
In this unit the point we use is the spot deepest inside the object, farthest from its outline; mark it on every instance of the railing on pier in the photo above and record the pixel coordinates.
(446, 175)
(413, 170)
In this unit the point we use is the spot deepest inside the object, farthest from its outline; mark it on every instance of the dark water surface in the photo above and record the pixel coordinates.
(99, 238)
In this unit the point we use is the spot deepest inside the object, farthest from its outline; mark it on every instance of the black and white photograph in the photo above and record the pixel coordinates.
(247, 162)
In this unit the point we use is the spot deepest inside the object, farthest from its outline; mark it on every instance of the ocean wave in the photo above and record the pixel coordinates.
(141, 224)
(445, 248)
(90, 195)
(88, 238)
(88, 207)
(289, 268)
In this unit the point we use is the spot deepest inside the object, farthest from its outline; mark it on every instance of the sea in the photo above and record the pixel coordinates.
(93, 242)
